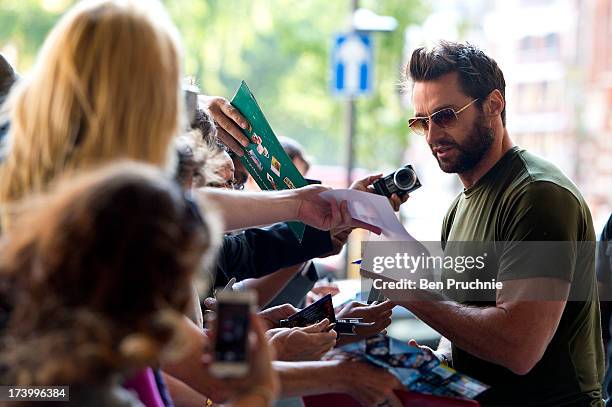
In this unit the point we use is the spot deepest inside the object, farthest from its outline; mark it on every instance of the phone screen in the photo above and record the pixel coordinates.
(232, 332)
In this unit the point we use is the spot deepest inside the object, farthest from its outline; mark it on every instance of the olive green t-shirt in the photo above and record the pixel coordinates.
(525, 198)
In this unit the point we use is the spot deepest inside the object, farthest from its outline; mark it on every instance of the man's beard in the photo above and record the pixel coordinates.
(470, 152)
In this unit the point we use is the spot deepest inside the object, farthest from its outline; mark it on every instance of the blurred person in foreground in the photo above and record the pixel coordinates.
(74, 112)
(77, 110)
(530, 342)
(99, 279)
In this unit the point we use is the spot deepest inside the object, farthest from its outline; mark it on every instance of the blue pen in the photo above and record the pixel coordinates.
(358, 261)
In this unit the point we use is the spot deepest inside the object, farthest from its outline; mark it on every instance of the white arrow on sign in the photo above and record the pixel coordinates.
(352, 54)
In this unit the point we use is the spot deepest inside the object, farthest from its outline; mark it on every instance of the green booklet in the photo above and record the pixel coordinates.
(264, 157)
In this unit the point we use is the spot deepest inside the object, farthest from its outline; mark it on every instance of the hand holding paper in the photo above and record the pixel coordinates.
(371, 209)
(325, 214)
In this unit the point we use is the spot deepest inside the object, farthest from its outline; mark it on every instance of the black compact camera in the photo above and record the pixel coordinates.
(400, 182)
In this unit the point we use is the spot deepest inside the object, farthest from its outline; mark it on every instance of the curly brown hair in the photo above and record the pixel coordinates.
(97, 275)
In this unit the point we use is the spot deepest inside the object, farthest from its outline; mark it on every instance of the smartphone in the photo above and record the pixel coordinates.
(232, 333)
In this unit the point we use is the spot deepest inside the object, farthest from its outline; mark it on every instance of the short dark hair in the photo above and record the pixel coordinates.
(479, 74)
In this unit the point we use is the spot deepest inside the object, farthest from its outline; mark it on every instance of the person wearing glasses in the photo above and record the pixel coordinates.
(255, 252)
(532, 352)
(530, 343)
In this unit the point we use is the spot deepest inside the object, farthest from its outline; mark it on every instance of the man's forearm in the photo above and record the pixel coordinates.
(249, 209)
(514, 333)
(478, 331)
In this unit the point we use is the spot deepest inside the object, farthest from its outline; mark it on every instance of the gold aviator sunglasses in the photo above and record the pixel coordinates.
(444, 118)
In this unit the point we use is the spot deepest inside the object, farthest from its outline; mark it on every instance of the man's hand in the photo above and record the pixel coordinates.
(378, 315)
(442, 358)
(300, 344)
(325, 215)
(365, 185)
(229, 122)
(271, 316)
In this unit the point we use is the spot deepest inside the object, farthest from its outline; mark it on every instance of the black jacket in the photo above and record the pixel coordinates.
(257, 252)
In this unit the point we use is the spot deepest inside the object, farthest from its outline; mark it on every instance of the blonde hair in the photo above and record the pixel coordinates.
(106, 85)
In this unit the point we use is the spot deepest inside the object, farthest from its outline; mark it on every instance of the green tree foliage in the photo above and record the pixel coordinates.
(281, 48)
(24, 24)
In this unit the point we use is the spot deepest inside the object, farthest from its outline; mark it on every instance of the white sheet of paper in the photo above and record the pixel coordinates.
(373, 209)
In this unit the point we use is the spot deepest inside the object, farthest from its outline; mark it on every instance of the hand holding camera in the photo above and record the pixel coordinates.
(395, 186)
(401, 182)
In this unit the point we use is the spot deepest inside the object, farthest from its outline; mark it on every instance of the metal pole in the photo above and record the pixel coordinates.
(350, 117)
(350, 148)
(350, 126)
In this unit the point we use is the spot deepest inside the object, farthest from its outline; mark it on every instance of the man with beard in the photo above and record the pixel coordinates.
(536, 341)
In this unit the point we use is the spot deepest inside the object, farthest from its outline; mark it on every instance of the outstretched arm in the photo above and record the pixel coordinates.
(249, 209)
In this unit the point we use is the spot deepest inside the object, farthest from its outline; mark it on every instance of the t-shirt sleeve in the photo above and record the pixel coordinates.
(541, 228)
(448, 221)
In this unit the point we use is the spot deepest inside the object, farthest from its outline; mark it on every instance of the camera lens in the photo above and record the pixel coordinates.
(404, 178)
